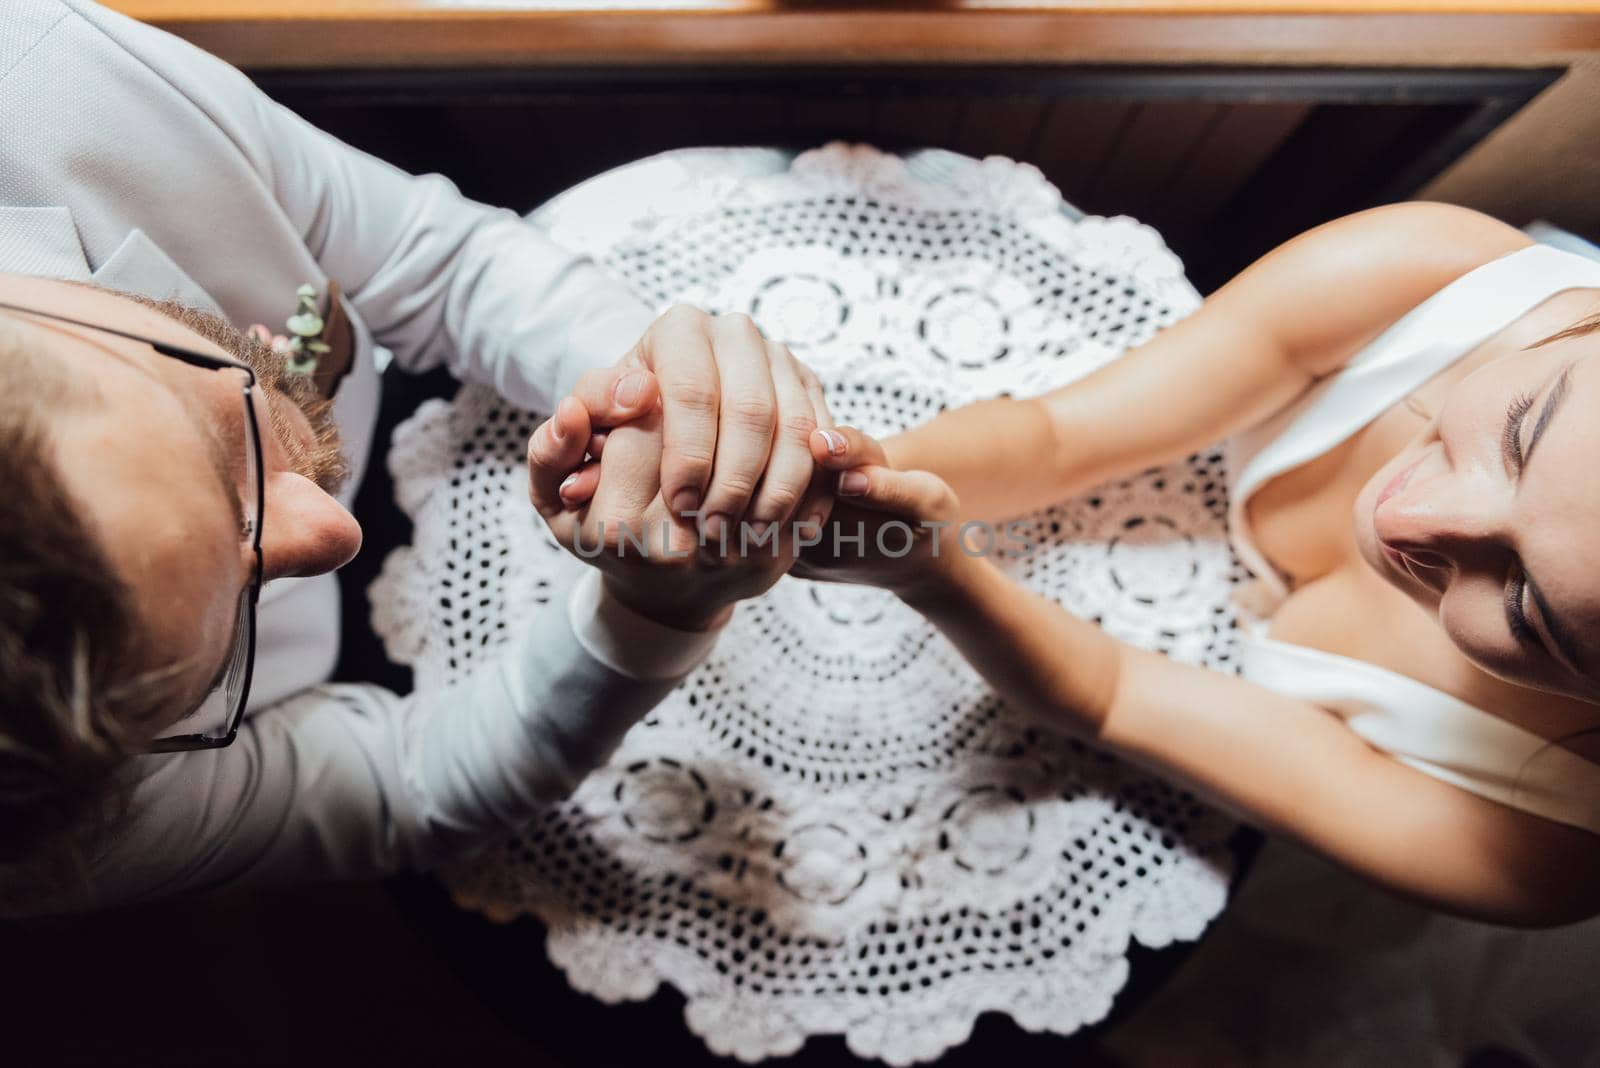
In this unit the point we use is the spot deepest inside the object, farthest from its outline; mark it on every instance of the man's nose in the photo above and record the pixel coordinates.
(303, 530)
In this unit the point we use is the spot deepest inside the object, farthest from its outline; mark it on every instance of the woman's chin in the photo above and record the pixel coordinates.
(1366, 536)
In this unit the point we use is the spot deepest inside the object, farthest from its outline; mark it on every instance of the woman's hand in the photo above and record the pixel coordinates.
(893, 529)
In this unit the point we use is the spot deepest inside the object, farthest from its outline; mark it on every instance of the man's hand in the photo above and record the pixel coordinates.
(653, 559)
(737, 412)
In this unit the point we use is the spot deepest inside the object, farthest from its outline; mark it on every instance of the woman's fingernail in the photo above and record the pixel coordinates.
(836, 442)
(852, 484)
(629, 390)
(567, 483)
(685, 500)
(555, 429)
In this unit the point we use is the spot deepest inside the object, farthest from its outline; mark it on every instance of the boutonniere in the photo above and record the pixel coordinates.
(303, 343)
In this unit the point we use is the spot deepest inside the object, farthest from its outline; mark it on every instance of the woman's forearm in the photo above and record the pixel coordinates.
(1189, 386)
(1035, 654)
(995, 454)
(1276, 761)
(1244, 748)
(1256, 345)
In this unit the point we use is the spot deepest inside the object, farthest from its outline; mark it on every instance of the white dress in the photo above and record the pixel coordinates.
(1310, 966)
(1421, 726)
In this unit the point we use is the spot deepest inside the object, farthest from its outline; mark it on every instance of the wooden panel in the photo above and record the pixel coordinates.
(1000, 126)
(1074, 139)
(1150, 148)
(372, 34)
(918, 121)
(828, 118)
(646, 123)
(1335, 161)
(709, 118)
(397, 9)
(1203, 155)
(1218, 165)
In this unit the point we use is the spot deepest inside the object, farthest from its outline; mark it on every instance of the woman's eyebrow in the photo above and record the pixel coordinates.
(1560, 633)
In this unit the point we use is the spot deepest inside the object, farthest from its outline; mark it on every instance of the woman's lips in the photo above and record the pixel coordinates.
(1397, 483)
(1402, 562)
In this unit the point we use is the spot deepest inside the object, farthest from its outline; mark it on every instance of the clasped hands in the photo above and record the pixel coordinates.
(706, 464)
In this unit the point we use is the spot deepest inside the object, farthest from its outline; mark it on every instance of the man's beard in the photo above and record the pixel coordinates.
(323, 462)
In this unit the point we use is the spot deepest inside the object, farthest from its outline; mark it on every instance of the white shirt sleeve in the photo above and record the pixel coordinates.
(352, 781)
(438, 278)
(629, 643)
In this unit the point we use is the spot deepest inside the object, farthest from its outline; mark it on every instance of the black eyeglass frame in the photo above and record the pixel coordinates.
(252, 594)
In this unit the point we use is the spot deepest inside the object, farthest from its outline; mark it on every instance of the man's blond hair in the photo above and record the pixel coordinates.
(68, 691)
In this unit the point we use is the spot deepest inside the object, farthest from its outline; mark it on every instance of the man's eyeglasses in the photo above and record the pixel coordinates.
(224, 704)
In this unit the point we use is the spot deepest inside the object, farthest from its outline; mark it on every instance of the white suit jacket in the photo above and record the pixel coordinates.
(133, 160)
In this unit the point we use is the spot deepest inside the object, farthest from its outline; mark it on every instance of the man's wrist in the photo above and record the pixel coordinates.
(679, 613)
(629, 642)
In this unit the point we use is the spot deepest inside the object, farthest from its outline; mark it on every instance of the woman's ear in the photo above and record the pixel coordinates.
(304, 531)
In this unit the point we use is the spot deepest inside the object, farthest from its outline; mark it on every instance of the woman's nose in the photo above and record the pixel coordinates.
(1443, 521)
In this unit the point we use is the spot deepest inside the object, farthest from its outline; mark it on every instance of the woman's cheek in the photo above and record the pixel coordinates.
(1474, 622)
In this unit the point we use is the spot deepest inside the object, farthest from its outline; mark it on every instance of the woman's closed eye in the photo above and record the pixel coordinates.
(1550, 637)
(1516, 455)
(1513, 453)
(1516, 613)
(1511, 433)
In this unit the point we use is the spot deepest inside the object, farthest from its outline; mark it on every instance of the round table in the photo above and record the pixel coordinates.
(833, 827)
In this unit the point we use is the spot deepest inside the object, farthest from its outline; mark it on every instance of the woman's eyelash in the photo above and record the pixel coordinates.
(1518, 620)
(1518, 408)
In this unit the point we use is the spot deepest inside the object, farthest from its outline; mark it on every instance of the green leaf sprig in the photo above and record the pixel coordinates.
(305, 335)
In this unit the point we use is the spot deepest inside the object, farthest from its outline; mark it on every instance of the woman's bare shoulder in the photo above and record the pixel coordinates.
(1332, 289)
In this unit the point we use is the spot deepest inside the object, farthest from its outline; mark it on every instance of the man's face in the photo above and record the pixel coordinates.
(156, 457)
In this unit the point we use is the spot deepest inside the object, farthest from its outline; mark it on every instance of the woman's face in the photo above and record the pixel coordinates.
(1491, 517)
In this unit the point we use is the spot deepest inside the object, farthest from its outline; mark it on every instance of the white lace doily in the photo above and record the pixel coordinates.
(834, 826)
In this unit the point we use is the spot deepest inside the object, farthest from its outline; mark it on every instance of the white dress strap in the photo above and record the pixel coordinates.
(1429, 338)
(1434, 732)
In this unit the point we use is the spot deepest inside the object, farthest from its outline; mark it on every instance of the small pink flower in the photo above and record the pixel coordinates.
(279, 344)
